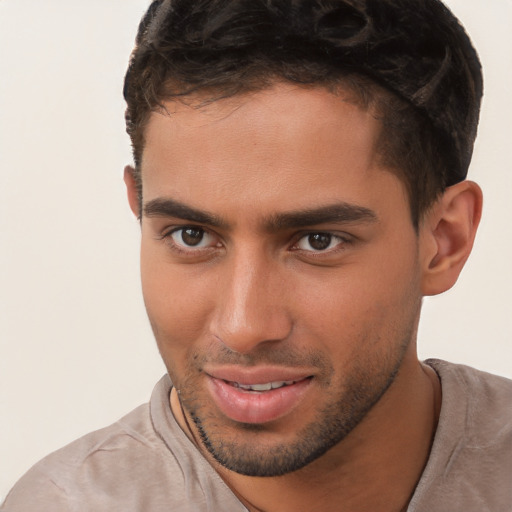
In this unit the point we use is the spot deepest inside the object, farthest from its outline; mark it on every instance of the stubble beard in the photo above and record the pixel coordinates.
(347, 407)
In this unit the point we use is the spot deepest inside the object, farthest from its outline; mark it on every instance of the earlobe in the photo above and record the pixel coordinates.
(449, 231)
(132, 190)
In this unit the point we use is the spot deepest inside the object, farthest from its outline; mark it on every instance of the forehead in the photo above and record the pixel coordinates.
(284, 144)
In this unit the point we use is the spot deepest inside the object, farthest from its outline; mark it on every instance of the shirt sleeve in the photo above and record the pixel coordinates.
(37, 491)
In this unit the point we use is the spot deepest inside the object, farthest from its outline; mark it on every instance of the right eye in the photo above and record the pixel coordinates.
(190, 238)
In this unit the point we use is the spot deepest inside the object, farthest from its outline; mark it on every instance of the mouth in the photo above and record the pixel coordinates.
(260, 388)
(251, 400)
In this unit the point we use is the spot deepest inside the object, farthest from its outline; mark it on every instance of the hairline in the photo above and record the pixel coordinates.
(369, 97)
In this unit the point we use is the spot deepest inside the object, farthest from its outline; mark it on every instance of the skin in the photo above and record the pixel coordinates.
(256, 293)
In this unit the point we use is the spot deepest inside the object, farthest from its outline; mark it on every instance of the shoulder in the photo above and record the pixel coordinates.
(114, 468)
(470, 463)
(471, 378)
(484, 399)
(64, 476)
(144, 461)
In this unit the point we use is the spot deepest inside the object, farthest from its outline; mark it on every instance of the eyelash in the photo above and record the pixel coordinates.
(167, 236)
(343, 241)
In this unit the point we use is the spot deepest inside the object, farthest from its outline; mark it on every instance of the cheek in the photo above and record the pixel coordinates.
(176, 303)
(363, 309)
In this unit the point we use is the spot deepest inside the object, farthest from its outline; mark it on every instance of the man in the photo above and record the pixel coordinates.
(300, 179)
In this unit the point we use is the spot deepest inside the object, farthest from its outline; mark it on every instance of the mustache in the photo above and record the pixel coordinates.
(270, 354)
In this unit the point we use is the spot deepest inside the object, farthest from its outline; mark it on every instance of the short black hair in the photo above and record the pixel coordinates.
(411, 61)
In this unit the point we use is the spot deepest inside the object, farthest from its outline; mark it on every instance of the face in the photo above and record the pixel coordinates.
(279, 269)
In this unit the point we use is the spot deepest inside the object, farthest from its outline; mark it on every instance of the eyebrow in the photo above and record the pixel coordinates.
(341, 212)
(166, 207)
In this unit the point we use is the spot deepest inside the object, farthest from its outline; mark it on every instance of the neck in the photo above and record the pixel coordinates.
(376, 467)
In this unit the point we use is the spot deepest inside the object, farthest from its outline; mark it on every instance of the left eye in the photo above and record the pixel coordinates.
(192, 238)
(318, 242)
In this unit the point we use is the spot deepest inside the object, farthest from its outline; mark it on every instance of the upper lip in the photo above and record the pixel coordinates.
(257, 374)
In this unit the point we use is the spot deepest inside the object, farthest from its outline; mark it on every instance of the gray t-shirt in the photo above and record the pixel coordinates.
(145, 463)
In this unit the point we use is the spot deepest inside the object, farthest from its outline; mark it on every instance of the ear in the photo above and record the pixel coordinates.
(132, 190)
(447, 235)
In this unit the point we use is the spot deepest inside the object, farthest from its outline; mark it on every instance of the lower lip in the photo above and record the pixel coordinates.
(253, 406)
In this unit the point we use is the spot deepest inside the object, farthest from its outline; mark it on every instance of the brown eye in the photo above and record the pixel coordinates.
(317, 242)
(192, 238)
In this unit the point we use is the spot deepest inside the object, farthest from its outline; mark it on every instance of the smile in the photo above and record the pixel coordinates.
(257, 402)
(262, 387)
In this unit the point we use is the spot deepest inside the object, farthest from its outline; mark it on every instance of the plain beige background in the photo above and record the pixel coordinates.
(76, 351)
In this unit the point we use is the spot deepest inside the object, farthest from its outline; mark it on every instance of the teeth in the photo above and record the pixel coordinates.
(257, 387)
(264, 387)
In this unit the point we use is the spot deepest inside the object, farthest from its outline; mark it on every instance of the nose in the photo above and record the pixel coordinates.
(251, 307)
